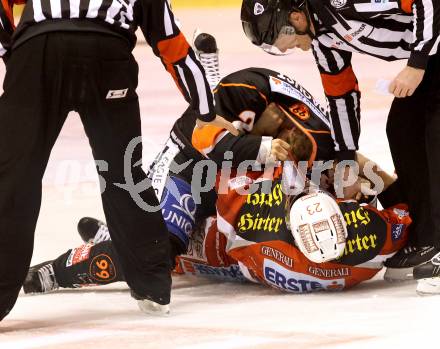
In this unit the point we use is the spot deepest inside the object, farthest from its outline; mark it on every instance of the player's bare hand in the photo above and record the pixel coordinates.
(346, 181)
(280, 149)
(406, 82)
(353, 192)
(219, 121)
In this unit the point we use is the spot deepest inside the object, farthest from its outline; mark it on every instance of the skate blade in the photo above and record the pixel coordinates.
(428, 287)
(398, 274)
(153, 308)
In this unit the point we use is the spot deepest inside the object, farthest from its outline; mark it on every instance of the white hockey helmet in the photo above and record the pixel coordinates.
(318, 227)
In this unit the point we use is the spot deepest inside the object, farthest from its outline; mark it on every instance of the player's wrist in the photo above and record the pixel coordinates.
(264, 153)
(207, 117)
(418, 60)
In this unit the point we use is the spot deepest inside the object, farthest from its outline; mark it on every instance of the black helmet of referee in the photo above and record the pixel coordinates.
(262, 20)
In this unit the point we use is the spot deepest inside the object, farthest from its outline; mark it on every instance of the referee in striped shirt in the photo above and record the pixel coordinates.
(76, 55)
(389, 30)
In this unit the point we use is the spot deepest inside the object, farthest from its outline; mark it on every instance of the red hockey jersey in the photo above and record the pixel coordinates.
(250, 239)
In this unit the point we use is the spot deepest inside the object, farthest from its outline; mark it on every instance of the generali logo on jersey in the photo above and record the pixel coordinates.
(329, 273)
(277, 255)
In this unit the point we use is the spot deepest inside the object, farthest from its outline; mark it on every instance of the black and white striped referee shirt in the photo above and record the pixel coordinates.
(123, 17)
(387, 29)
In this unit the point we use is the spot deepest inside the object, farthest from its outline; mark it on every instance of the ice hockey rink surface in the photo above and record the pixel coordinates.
(206, 313)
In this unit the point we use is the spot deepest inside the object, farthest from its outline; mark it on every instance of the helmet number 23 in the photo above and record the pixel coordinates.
(312, 209)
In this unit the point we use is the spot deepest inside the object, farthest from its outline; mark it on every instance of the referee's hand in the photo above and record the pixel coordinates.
(219, 122)
(406, 82)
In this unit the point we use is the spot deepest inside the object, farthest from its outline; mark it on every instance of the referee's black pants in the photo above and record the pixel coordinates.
(413, 131)
(48, 76)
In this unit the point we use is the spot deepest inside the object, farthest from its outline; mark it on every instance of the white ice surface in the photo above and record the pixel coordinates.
(208, 314)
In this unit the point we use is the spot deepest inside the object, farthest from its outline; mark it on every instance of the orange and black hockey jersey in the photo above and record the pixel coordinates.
(250, 240)
(241, 98)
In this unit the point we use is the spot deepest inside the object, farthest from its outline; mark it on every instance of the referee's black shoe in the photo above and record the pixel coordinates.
(400, 267)
(150, 306)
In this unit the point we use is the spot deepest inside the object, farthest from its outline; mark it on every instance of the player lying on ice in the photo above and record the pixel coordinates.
(296, 243)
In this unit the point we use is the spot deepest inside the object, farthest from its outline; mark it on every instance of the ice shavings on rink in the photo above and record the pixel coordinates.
(206, 314)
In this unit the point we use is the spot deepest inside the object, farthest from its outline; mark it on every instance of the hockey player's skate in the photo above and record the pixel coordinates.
(151, 307)
(40, 279)
(400, 266)
(428, 276)
(205, 47)
(92, 229)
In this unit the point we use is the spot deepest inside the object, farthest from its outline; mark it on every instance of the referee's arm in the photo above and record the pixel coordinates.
(426, 29)
(343, 96)
(168, 43)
